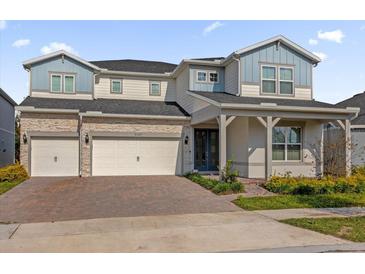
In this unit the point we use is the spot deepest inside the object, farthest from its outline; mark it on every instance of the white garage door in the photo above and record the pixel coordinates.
(54, 157)
(142, 156)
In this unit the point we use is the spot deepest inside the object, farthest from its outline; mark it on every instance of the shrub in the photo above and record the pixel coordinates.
(221, 188)
(12, 173)
(236, 187)
(310, 186)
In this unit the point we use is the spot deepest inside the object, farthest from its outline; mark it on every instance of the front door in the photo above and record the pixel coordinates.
(206, 147)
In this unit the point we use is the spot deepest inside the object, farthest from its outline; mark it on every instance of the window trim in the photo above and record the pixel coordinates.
(286, 146)
(289, 81)
(218, 77)
(121, 86)
(206, 76)
(159, 84)
(64, 83)
(277, 80)
(267, 79)
(51, 81)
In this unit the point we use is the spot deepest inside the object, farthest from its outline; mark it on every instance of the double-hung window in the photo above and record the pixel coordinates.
(201, 76)
(277, 80)
(286, 81)
(69, 83)
(116, 86)
(56, 83)
(155, 88)
(286, 143)
(268, 78)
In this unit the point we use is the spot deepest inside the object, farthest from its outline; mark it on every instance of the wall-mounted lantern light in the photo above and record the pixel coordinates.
(87, 138)
(25, 139)
(186, 141)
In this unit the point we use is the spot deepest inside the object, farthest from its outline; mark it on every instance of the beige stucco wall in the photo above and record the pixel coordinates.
(310, 165)
(43, 122)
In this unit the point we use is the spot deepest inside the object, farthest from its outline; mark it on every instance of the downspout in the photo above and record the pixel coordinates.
(80, 145)
(239, 75)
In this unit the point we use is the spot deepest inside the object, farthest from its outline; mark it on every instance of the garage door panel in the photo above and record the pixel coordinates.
(145, 156)
(54, 157)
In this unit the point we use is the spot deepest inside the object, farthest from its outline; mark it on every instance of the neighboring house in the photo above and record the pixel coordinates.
(357, 128)
(7, 129)
(128, 117)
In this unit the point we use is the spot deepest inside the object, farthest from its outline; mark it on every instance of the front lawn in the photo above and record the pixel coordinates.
(11, 176)
(302, 201)
(351, 228)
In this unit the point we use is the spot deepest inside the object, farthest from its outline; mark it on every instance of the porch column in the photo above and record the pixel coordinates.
(348, 147)
(222, 143)
(268, 162)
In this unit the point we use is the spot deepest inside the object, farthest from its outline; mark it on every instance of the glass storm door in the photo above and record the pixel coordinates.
(206, 149)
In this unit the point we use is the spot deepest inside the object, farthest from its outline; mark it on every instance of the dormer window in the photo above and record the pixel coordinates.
(69, 83)
(268, 79)
(277, 80)
(56, 83)
(155, 88)
(286, 81)
(213, 77)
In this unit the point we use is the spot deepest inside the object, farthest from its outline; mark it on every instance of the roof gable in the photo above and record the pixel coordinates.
(281, 39)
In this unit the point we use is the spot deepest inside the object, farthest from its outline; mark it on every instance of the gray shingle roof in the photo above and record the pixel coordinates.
(358, 100)
(7, 97)
(209, 58)
(111, 106)
(135, 65)
(222, 97)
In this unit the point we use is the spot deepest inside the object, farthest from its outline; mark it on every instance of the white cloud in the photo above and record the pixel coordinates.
(313, 42)
(321, 55)
(2, 24)
(21, 43)
(212, 27)
(54, 46)
(333, 36)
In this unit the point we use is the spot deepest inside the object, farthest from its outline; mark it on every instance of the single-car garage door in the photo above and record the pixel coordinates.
(135, 156)
(54, 156)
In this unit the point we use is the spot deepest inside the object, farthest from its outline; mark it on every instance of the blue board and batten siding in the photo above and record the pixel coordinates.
(212, 87)
(271, 54)
(41, 73)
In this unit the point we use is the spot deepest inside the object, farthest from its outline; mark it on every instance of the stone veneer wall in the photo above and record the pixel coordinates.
(47, 122)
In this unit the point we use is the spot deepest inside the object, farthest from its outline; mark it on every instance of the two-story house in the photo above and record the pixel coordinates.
(7, 129)
(128, 117)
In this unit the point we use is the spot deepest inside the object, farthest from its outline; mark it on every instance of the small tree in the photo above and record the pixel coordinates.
(229, 175)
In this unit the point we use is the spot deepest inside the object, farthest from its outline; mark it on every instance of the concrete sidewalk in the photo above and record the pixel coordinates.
(282, 214)
(206, 232)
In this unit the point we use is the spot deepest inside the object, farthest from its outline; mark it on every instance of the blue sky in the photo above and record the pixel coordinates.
(340, 75)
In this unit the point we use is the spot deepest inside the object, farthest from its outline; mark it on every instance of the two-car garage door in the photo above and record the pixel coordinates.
(135, 156)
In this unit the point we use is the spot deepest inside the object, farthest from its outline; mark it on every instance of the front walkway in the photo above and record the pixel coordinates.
(207, 232)
(282, 214)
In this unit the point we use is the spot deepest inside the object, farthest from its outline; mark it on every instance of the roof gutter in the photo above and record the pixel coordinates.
(43, 110)
(275, 107)
(135, 116)
(131, 73)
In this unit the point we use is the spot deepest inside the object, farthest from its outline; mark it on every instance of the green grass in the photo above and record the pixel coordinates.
(6, 186)
(301, 201)
(351, 228)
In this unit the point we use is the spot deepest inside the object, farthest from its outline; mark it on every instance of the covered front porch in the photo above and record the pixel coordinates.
(266, 139)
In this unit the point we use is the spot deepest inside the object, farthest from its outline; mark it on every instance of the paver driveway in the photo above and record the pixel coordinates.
(58, 199)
